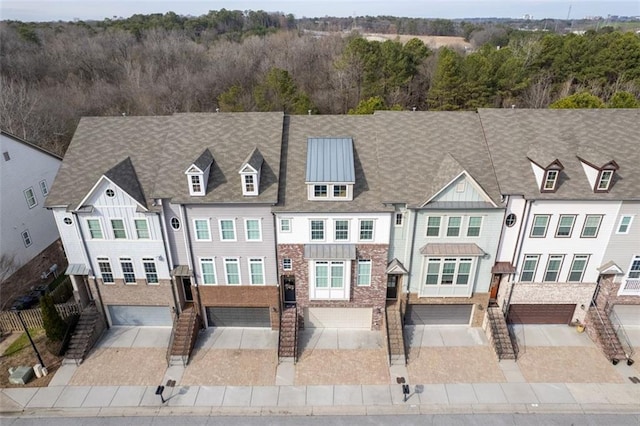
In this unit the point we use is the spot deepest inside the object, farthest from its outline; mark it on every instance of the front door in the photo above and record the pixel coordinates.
(186, 285)
(495, 286)
(289, 283)
(392, 286)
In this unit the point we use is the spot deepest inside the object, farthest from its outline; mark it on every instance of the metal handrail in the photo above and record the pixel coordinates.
(295, 335)
(623, 338)
(611, 341)
(171, 338)
(187, 342)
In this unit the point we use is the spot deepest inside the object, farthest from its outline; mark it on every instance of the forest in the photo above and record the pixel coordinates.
(51, 74)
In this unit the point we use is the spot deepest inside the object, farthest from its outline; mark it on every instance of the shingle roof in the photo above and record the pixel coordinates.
(254, 159)
(204, 160)
(330, 160)
(124, 175)
(601, 134)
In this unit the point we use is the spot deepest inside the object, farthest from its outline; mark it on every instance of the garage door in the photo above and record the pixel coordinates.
(540, 314)
(628, 315)
(140, 315)
(338, 317)
(238, 317)
(438, 314)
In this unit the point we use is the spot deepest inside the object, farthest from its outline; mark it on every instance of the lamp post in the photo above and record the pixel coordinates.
(26, 330)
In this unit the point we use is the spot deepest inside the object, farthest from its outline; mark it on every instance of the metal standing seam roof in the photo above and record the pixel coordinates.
(330, 160)
(329, 251)
(452, 249)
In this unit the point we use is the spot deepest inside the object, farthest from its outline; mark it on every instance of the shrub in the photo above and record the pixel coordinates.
(54, 326)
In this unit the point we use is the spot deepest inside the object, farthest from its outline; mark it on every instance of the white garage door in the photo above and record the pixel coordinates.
(629, 315)
(338, 317)
(140, 315)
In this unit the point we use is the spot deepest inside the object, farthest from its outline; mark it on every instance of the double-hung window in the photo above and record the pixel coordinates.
(127, 270)
(150, 270)
(364, 272)
(253, 229)
(539, 228)
(448, 271)
(30, 196)
(341, 230)
(317, 230)
(286, 264)
(634, 269)
(26, 238)
(208, 270)
(249, 184)
(339, 191)
(473, 229)
(227, 230)
(44, 188)
(232, 270)
(256, 270)
(320, 191)
(399, 218)
(95, 230)
(550, 180)
(285, 225)
(119, 231)
(366, 230)
(529, 267)
(142, 228)
(196, 184)
(591, 226)
(565, 226)
(578, 266)
(433, 226)
(624, 225)
(453, 226)
(105, 270)
(604, 181)
(203, 232)
(553, 267)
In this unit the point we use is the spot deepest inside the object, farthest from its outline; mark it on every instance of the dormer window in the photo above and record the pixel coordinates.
(599, 169)
(196, 185)
(550, 180)
(330, 169)
(546, 169)
(604, 180)
(320, 191)
(250, 173)
(198, 173)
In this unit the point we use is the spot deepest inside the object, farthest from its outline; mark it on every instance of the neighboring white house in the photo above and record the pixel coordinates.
(27, 227)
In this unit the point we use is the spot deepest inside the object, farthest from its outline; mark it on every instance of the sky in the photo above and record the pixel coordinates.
(67, 10)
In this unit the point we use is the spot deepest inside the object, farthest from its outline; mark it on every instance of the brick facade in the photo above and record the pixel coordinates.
(242, 296)
(480, 300)
(373, 296)
(608, 294)
(140, 293)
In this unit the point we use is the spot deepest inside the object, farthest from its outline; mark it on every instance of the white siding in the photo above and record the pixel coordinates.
(509, 240)
(623, 247)
(71, 239)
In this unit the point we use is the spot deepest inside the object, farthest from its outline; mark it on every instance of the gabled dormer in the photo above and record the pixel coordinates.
(198, 174)
(600, 177)
(546, 169)
(330, 169)
(250, 173)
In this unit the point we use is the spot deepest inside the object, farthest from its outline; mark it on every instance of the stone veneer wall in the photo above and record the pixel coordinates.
(608, 294)
(480, 300)
(373, 296)
(242, 296)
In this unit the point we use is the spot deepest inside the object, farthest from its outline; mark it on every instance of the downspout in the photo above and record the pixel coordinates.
(86, 253)
(169, 258)
(187, 241)
(516, 256)
(409, 267)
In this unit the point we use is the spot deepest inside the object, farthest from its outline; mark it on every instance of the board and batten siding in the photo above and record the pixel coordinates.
(176, 237)
(509, 237)
(400, 238)
(240, 248)
(623, 247)
(71, 239)
(460, 190)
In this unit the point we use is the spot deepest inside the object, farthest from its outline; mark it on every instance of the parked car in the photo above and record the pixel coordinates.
(26, 301)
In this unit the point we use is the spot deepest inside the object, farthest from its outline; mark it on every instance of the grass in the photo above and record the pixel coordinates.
(22, 341)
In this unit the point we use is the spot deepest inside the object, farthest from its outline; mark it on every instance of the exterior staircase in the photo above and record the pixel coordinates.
(601, 331)
(288, 342)
(498, 334)
(183, 336)
(395, 337)
(85, 335)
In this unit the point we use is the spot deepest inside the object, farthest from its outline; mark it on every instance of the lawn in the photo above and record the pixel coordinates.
(20, 353)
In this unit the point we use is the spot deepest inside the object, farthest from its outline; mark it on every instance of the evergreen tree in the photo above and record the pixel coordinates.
(54, 326)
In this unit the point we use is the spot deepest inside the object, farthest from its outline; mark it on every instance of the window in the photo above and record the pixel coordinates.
(227, 230)
(433, 226)
(196, 184)
(119, 232)
(578, 266)
(461, 186)
(634, 269)
(320, 191)
(44, 188)
(399, 218)
(110, 193)
(475, 223)
(550, 180)
(253, 229)
(329, 274)
(624, 225)
(142, 228)
(591, 226)
(175, 223)
(285, 225)
(286, 264)
(529, 268)
(448, 271)
(342, 230)
(317, 230)
(539, 228)
(510, 220)
(232, 270)
(249, 184)
(26, 238)
(322, 274)
(105, 270)
(339, 191)
(127, 270)
(453, 226)
(203, 232)
(6, 156)
(565, 225)
(256, 270)
(364, 272)
(67, 221)
(208, 270)
(95, 230)
(30, 196)
(553, 268)
(366, 230)
(604, 180)
(150, 270)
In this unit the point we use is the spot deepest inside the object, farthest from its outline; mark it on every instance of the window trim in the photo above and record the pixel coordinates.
(326, 191)
(221, 231)
(324, 228)
(152, 261)
(193, 185)
(231, 260)
(135, 225)
(33, 197)
(584, 225)
(449, 218)
(510, 220)
(335, 229)
(329, 292)
(254, 261)
(287, 264)
(441, 261)
(281, 221)
(533, 271)
(122, 261)
(207, 260)
(337, 186)
(113, 229)
(246, 230)
(368, 275)
(99, 222)
(360, 230)
(546, 225)
(584, 269)
(601, 179)
(320, 189)
(573, 222)
(44, 188)
(547, 179)
(254, 183)
(26, 238)
(479, 226)
(551, 258)
(635, 258)
(195, 229)
(173, 220)
(628, 225)
(398, 219)
(438, 228)
(103, 259)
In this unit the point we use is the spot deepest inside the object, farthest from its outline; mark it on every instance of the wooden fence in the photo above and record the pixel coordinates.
(9, 320)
